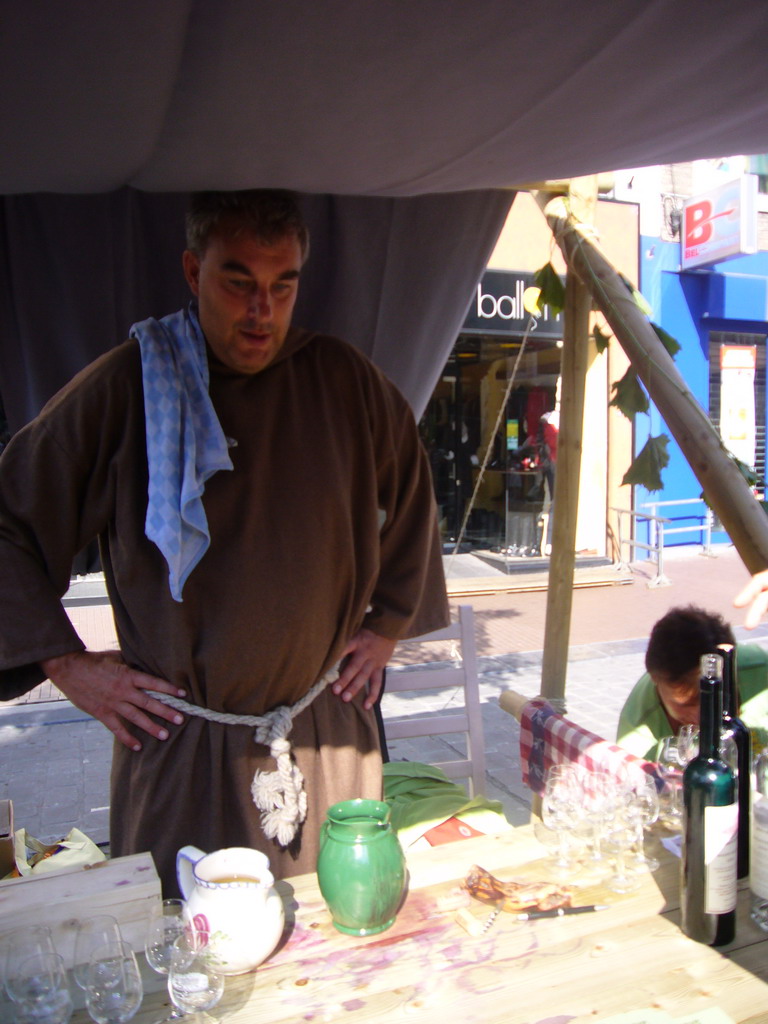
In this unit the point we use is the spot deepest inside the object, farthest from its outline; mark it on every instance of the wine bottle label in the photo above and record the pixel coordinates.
(720, 857)
(758, 859)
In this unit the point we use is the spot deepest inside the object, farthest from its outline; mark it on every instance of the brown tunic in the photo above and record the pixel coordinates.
(297, 563)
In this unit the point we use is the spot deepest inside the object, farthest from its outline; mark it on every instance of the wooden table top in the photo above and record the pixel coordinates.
(428, 968)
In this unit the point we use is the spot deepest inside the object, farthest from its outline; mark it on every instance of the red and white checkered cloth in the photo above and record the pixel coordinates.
(546, 738)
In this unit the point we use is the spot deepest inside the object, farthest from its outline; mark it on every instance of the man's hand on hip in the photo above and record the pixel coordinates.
(101, 684)
(367, 655)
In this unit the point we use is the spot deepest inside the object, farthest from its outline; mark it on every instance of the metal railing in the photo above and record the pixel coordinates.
(659, 528)
(704, 528)
(659, 580)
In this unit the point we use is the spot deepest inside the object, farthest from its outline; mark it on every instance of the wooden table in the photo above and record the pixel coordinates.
(427, 968)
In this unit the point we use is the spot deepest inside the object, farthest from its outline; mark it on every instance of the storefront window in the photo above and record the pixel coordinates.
(487, 410)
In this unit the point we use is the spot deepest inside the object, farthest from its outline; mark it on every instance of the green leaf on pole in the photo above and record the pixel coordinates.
(753, 478)
(640, 300)
(647, 467)
(601, 340)
(552, 289)
(749, 473)
(629, 397)
(672, 345)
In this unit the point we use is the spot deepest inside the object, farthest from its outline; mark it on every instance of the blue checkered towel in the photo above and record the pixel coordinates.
(185, 442)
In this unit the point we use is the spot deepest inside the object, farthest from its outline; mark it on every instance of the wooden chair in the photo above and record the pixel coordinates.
(462, 717)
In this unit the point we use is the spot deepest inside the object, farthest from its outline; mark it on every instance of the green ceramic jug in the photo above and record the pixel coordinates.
(360, 866)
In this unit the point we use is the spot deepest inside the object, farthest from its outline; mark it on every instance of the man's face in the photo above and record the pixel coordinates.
(246, 291)
(680, 697)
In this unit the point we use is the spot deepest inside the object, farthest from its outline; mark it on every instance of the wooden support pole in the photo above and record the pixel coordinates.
(582, 198)
(557, 627)
(565, 511)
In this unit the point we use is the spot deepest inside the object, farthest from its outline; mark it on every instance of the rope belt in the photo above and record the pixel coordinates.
(279, 795)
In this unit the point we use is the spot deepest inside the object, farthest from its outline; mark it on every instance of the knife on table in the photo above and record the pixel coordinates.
(535, 915)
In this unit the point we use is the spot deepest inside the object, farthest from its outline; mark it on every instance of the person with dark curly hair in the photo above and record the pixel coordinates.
(666, 697)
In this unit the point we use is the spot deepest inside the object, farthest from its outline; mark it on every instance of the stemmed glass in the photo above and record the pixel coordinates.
(618, 840)
(92, 933)
(20, 959)
(23, 944)
(195, 981)
(642, 807)
(671, 769)
(598, 797)
(38, 987)
(167, 923)
(113, 986)
(687, 743)
(560, 812)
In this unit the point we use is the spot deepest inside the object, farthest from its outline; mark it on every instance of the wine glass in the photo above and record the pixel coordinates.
(568, 773)
(617, 841)
(560, 812)
(687, 743)
(195, 981)
(23, 944)
(598, 797)
(671, 770)
(643, 810)
(39, 990)
(113, 986)
(167, 923)
(92, 933)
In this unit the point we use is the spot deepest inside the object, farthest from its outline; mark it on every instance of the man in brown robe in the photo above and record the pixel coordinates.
(323, 548)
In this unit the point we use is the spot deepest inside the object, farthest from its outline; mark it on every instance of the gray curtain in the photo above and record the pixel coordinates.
(392, 276)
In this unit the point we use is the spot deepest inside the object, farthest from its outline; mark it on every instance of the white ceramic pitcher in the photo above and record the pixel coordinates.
(230, 893)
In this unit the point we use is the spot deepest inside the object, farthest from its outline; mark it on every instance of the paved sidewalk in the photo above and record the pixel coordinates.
(54, 760)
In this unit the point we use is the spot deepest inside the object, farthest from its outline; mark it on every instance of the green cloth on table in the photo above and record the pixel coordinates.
(421, 796)
(643, 722)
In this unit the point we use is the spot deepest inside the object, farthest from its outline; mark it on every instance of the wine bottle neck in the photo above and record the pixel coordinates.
(710, 717)
(730, 701)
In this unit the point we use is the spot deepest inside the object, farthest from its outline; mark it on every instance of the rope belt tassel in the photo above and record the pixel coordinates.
(279, 795)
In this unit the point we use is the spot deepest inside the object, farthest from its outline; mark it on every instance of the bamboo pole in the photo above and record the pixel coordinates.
(726, 489)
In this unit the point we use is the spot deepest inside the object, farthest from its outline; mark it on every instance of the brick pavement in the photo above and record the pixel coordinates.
(54, 760)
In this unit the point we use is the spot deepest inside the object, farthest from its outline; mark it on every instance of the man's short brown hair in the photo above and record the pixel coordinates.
(268, 214)
(681, 637)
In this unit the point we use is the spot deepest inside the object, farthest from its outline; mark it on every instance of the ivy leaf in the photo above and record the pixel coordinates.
(672, 345)
(552, 289)
(629, 397)
(647, 467)
(639, 298)
(601, 340)
(752, 477)
(749, 473)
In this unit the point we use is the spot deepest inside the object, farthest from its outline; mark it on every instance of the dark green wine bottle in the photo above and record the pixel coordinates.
(710, 824)
(738, 737)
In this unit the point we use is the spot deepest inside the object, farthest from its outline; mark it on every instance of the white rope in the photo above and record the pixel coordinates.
(279, 795)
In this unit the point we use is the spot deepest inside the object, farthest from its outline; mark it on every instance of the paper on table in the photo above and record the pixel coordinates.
(674, 844)
(647, 1016)
(713, 1015)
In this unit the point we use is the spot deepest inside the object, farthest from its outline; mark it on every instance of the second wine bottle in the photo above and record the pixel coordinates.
(710, 824)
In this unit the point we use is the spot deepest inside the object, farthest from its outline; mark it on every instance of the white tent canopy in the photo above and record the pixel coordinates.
(371, 97)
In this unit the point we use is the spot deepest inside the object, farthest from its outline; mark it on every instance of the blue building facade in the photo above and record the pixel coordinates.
(724, 304)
